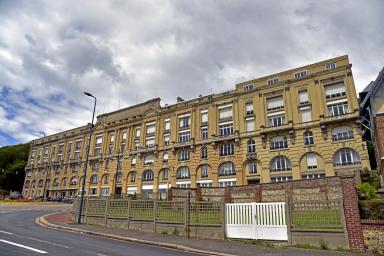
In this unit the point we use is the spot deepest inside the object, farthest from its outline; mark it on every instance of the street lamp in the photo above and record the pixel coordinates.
(86, 160)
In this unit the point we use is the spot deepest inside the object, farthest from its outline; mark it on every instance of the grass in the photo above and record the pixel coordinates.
(321, 219)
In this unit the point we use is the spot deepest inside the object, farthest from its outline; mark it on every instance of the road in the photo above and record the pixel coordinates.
(20, 235)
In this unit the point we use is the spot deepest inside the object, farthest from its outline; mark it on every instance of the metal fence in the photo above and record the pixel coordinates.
(317, 215)
(177, 212)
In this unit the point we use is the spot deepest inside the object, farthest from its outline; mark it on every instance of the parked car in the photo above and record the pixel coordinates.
(67, 200)
(14, 196)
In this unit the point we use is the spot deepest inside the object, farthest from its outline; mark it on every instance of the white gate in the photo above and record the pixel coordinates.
(256, 221)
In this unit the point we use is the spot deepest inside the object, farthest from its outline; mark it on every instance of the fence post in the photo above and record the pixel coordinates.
(106, 211)
(129, 212)
(154, 214)
(223, 218)
(288, 217)
(86, 210)
(187, 213)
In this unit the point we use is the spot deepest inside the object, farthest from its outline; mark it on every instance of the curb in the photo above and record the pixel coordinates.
(43, 222)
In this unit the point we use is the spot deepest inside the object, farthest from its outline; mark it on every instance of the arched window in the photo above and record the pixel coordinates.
(56, 182)
(33, 184)
(183, 173)
(119, 176)
(308, 138)
(164, 174)
(64, 182)
(227, 169)
(27, 183)
(346, 156)
(342, 133)
(149, 159)
(204, 153)
(132, 177)
(252, 167)
(73, 180)
(40, 183)
(204, 170)
(148, 175)
(280, 163)
(94, 179)
(279, 142)
(105, 179)
(251, 146)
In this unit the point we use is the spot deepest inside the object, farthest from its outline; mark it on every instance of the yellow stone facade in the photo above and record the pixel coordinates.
(274, 111)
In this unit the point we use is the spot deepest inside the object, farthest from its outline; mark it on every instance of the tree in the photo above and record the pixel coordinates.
(13, 160)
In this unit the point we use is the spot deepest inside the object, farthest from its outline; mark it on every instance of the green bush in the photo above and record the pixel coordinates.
(368, 176)
(372, 209)
(366, 191)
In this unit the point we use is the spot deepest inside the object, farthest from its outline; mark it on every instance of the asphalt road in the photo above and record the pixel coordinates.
(20, 235)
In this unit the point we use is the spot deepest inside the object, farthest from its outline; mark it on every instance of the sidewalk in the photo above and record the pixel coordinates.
(62, 220)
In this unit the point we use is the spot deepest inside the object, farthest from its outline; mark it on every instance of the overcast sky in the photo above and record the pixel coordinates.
(125, 52)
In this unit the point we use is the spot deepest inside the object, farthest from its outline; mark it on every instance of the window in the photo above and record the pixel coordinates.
(95, 165)
(251, 146)
(204, 171)
(226, 149)
(279, 142)
(183, 173)
(311, 161)
(93, 191)
(303, 97)
(78, 145)
(137, 132)
(338, 109)
(204, 184)
(334, 90)
(313, 176)
(124, 136)
(273, 81)
(119, 177)
(119, 164)
(275, 103)
(151, 128)
(249, 109)
(104, 191)
(227, 169)
(106, 179)
(137, 144)
(183, 155)
(204, 133)
(41, 183)
(61, 148)
(184, 136)
(250, 124)
(94, 179)
(164, 174)
(112, 138)
(97, 152)
(252, 168)
(248, 87)
(132, 177)
(276, 119)
(342, 133)
(346, 156)
(308, 138)
(280, 179)
(149, 159)
(73, 181)
(184, 121)
(148, 175)
(167, 124)
(280, 163)
(166, 140)
(99, 140)
(305, 113)
(133, 163)
(227, 183)
(226, 129)
(183, 185)
(330, 66)
(46, 150)
(204, 153)
(204, 116)
(225, 112)
(300, 74)
(150, 142)
(165, 158)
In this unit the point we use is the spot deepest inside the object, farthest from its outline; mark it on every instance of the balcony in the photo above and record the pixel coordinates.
(232, 136)
(182, 144)
(143, 150)
(225, 119)
(330, 119)
(270, 129)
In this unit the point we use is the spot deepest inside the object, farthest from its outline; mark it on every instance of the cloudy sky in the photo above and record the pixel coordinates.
(130, 51)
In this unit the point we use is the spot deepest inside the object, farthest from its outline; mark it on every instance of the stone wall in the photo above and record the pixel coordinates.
(373, 232)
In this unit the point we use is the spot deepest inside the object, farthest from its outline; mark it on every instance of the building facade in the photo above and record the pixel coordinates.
(372, 113)
(298, 124)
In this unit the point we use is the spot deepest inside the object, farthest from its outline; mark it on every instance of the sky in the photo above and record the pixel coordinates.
(126, 52)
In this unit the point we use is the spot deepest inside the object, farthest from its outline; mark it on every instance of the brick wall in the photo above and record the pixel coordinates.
(351, 212)
(379, 134)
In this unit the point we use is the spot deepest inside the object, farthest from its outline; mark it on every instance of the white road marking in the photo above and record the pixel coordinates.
(5, 232)
(100, 254)
(47, 242)
(23, 246)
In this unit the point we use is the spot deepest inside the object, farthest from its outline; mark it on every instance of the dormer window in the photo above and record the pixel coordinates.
(300, 74)
(273, 81)
(248, 87)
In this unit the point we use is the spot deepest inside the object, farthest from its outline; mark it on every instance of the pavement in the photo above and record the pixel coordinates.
(62, 221)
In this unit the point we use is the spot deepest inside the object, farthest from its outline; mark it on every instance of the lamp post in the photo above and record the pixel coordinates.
(86, 160)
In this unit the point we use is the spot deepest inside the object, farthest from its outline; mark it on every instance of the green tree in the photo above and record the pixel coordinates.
(12, 164)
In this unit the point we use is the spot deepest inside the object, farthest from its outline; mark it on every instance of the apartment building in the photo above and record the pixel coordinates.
(298, 124)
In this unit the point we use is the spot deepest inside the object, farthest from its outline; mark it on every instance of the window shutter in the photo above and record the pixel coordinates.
(150, 141)
(151, 128)
(225, 112)
(335, 89)
(134, 160)
(275, 102)
(305, 114)
(167, 125)
(303, 96)
(165, 156)
(311, 159)
(249, 107)
(137, 132)
(204, 117)
(250, 123)
(166, 138)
